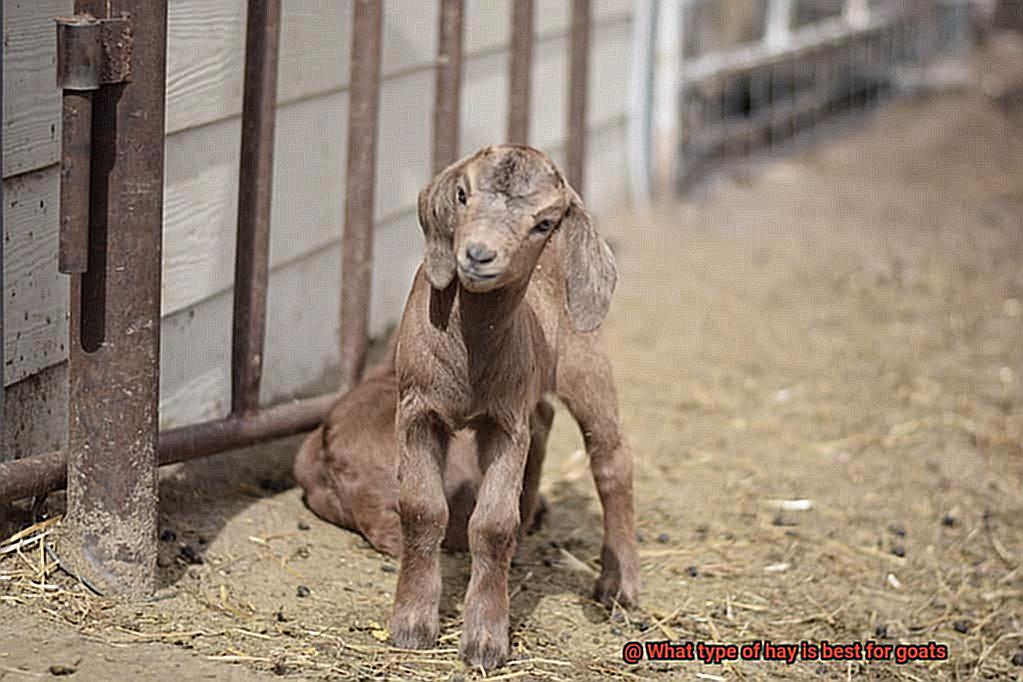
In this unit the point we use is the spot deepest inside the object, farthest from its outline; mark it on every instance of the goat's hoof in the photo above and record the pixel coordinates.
(488, 650)
(411, 634)
(611, 589)
(386, 544)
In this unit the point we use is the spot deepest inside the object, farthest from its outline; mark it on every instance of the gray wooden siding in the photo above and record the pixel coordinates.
(205, 53)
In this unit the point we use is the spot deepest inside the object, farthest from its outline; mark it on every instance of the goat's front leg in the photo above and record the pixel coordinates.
(422, 446)
(492, 535)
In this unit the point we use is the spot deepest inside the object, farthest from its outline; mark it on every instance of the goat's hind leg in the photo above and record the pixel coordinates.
(586, 385)
(531, 505)
(422, 447)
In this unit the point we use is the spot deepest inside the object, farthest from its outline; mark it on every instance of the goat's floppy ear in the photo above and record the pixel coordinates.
(590, 270)
(435, 208)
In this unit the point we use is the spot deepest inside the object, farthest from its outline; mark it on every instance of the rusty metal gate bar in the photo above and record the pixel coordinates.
(3, 430)
(360, 180)
(521, 71)
(114, 350)
(579, 69)
(78, 59)
(255, 192)
(42, 473)
(448, 89)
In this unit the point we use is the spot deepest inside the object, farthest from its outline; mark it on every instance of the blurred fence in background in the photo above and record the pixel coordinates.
(756, 75)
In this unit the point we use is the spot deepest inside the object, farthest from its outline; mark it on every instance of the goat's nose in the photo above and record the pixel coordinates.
(479, 254)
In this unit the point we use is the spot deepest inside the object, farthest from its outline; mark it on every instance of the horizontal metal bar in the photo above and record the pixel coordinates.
(42, 473)
(32, 475)
(809, 38)
(200, 440)
(713, 137)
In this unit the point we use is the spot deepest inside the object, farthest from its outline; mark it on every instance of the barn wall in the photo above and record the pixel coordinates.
(204, 127)
(205, 66)
(35, 305)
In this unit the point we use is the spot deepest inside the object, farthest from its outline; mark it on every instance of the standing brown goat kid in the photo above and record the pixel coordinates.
(348, 466)
(504, 309)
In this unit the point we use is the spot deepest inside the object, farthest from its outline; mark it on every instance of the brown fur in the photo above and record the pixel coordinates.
(514, 284)
(348, 467)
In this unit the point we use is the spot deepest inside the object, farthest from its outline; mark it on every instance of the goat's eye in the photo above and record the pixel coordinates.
(461, 196)
(543, 227)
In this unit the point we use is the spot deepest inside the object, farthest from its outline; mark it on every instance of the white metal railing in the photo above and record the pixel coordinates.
(760, 93)
(786, 79)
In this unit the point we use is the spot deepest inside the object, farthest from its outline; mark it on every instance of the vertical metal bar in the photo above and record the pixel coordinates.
(110, 529)
(357, 238)
(644, 55)
(255, 190)
(683, 97)
(777, 103)
(760, 101)
(857, 12)
(778, 30)
(719, 114)
(822, 87)
(521, 77)
(872, 58)
(579, 72)
(446, 104)
(3, 431)
(79, 67)
(803, 119)
(76, 158)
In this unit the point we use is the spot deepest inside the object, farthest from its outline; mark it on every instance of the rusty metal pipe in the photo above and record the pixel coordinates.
(32, 475)
(446, 123)
(3, 430)
(111, 521)
(579, 72)
(75, 160)
(357, 236)
(255, 191)
(79, 69)
(43, 473)
(200, 440)
(520, 79)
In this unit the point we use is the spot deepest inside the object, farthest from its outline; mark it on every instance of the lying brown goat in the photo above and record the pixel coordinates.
(504, 309)
(348, 467)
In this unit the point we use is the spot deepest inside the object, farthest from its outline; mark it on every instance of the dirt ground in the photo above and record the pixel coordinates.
(843, 328)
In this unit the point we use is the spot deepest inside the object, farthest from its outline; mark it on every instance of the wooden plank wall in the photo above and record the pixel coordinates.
(202, 151)
(205, 62)
(35, 310)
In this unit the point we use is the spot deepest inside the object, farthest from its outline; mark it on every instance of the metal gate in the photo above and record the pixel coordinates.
(809, 62)
(111, 66)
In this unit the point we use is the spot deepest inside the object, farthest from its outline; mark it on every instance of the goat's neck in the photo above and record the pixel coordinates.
(487, 318)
